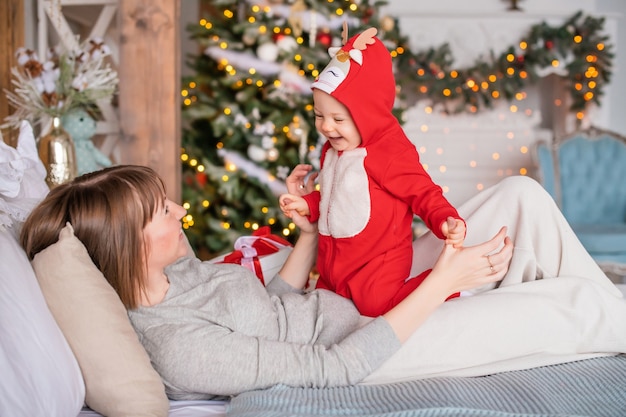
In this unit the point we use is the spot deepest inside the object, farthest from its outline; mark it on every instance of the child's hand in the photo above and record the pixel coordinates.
(303, 223)
(295, 182)
(454, 231)
(292, 203)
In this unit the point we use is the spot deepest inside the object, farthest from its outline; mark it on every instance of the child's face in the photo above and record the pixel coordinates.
(333, 120)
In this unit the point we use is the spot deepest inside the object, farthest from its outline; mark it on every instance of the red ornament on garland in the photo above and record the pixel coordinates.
(278, 36)
(549, 45)
(325, 38)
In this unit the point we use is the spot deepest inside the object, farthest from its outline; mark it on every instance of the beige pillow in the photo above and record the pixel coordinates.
(119, 379)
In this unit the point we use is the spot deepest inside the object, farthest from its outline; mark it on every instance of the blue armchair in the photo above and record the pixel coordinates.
(585, 172)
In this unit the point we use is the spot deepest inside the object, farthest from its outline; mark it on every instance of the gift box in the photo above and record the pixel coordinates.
(262, 253)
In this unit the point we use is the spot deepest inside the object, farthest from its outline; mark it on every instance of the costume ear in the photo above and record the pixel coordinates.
(365, 38)
(332, 51)
(356, 56)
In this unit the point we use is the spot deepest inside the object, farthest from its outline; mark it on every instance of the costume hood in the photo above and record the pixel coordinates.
(360, 75)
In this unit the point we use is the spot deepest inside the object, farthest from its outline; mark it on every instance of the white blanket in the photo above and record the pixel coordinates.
(555, 304)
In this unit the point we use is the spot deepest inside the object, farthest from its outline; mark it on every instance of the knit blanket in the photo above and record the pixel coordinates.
(590, 388)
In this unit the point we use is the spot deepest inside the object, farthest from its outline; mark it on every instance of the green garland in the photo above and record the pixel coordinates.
(577, 47)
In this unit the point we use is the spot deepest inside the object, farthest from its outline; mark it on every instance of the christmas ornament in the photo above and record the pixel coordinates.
(287, 44)
(268, 52)
(267, 142)
(325, 38)
(387, 23)
(272, 154)
(201, 178)
(367, 14)
(256, 153)
(299, 133)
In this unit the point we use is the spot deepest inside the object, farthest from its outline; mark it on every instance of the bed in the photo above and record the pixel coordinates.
(65, 341)
(208, 408)
(591, 388)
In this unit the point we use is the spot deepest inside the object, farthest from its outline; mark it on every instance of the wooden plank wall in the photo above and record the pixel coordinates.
(11, 38)
(149, 99)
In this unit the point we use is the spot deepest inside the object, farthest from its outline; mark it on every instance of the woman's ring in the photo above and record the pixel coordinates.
(490, 264)
(302, 186)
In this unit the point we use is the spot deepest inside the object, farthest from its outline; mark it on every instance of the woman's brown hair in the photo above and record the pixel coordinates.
(108, 210)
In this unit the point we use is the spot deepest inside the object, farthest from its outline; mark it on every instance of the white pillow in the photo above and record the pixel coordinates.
(22, 180)
(40, 375)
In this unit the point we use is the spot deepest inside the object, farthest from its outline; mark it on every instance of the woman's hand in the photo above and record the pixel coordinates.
(471, 267)
(456, 270)
(303, 223)
(297, 183)
(295, 270)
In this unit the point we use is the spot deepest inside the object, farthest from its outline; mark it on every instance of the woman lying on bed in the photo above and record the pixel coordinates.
(213, 329)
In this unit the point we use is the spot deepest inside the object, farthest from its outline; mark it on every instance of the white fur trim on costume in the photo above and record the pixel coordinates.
(345, 206)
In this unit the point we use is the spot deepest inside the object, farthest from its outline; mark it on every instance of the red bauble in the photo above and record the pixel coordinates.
(549, 44)
(367, 14)
(324, 38)
(201, 178)
(278, 36)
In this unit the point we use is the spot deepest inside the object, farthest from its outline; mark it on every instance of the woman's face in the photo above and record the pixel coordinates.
(164, 236)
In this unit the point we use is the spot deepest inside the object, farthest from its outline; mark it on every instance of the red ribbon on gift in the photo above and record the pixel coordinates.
(249, 248)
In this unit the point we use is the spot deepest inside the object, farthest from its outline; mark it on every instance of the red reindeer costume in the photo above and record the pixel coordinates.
(369, 194)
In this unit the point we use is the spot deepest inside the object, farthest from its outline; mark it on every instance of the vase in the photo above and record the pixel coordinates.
(58, 154)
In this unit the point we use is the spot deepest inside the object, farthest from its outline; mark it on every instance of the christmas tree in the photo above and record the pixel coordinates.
(248, 108)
